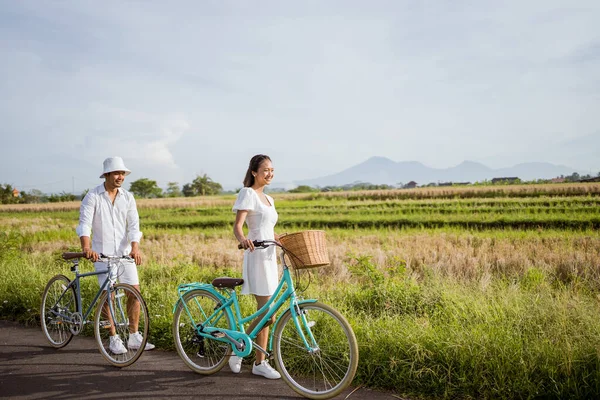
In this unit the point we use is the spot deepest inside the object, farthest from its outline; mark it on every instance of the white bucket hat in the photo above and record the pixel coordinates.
(114, 164)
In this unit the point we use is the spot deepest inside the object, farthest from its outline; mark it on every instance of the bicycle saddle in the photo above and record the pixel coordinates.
(227, 282)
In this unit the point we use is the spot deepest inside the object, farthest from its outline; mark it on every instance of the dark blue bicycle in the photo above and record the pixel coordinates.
(62, 314)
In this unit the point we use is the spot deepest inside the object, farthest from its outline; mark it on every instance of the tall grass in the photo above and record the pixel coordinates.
(452, 311)
(420, 333)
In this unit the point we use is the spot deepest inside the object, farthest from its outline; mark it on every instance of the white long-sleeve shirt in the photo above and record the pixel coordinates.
(112, 227)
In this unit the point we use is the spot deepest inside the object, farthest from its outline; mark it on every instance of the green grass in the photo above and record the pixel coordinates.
(425, 338)
(545, 212)
(457, 297)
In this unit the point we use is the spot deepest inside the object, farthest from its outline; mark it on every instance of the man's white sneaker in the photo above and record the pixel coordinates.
(135, 341)
(116, 345)
(235, 363)
(264, 369)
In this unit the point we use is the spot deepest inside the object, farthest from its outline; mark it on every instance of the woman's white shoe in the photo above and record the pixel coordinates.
(264, 369)
(235, 363)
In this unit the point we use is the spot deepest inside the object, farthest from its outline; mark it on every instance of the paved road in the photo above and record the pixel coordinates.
(31, 369)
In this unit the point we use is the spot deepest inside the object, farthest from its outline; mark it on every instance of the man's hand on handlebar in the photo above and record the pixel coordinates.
(90, 254)
(135, 253)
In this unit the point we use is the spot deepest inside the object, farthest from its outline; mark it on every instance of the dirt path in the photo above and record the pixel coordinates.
(31, 369)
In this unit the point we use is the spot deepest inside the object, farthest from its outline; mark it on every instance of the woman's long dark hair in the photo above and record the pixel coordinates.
(253, 167)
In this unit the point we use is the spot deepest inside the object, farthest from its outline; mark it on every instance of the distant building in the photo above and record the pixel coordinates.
(596, 179)
(454, 183)
(16, 193)
(557, 180)
(509, 179)
(410, 185)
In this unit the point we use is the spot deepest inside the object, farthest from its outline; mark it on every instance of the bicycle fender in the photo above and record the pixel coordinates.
(184, 288)
(300, 302)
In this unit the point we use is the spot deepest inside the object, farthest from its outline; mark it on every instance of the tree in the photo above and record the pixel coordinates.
(173, 190)
(63, 196)
(145, 188)
(34, 196)
(574, 177)
(6, 194)
(303, 189)
(188, 190)
(202, 186)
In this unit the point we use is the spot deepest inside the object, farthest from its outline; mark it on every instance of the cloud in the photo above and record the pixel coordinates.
(199, 87)
(156, 152)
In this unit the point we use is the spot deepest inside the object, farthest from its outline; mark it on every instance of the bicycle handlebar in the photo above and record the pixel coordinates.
(262, 244)
(70, 256)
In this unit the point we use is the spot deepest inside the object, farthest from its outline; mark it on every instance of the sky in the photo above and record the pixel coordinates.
(186, 88)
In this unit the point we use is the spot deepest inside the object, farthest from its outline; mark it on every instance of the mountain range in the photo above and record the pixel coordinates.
(382, 170)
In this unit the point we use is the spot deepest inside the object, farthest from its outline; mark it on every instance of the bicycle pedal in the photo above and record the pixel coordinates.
(105, 324)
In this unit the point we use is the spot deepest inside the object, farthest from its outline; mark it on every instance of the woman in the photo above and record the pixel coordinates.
(260, 272)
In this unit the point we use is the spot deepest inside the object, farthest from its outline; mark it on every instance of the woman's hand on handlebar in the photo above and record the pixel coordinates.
(247, 244)
(260, 244)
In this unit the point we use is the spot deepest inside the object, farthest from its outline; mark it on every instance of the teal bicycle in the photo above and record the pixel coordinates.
(62, 314)
(312, 344)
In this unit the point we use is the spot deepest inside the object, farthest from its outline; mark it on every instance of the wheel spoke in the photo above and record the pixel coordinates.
(121, 315)
(58, 304)
(201, 354)
(322, 373)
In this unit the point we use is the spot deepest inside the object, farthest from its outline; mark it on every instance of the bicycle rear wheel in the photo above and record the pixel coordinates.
(325, 370)
(200, 354)
(119, 312)
(59, 302)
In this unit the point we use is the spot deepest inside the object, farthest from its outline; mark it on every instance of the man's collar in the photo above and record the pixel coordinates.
(103, 189)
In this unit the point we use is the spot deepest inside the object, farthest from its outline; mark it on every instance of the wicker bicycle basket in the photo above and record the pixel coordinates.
(305, 249)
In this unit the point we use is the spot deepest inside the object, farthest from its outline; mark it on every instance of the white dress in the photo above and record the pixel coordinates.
(260, 271)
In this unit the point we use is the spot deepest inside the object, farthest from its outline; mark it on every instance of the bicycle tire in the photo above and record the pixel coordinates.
(120, 294)
(326, 372)
(55, 327)
(202, 355)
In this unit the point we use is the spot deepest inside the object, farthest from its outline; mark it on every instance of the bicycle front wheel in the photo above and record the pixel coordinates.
(59, 303)
(326, 368)
(202, 355)
(123, 314)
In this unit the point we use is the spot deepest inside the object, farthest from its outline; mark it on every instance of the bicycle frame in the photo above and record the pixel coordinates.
(106, 285)
(241, 342)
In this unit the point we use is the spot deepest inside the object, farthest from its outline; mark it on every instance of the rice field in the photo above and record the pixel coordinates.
(473, 292)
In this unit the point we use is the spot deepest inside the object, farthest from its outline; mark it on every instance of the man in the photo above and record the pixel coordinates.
(109, 216)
